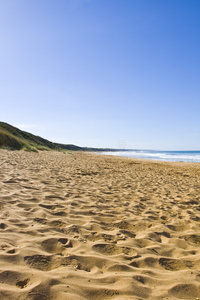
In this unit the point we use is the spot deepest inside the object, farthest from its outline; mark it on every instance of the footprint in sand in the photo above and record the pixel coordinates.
(53, 245)
(3, 226)
(107, 249)
(22, 283)
(172, 264)
(185, 291)
(17, 279)
(7, 246)
(43, 262)
(193, 238)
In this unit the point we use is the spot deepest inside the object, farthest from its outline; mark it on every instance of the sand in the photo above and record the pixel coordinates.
(86, 226)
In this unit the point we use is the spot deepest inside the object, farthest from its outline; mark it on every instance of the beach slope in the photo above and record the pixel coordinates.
(85, 226)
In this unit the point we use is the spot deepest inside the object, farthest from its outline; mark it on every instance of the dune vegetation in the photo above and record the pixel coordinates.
(13, 138)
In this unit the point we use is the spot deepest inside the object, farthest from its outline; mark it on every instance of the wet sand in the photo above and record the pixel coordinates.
(86, 226)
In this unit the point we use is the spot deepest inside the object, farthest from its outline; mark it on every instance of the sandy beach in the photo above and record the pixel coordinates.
(87, 226)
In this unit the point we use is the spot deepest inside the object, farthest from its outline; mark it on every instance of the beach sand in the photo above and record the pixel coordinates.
(86, 226)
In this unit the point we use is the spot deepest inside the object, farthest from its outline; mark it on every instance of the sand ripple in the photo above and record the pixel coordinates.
(84, 226)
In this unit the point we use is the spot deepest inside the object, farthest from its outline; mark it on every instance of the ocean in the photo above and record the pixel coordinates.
(187, 156)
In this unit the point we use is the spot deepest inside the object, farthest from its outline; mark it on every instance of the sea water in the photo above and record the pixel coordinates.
(187, 156)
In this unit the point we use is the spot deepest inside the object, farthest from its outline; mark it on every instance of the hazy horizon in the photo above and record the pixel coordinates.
(117, 148)
(107, 74)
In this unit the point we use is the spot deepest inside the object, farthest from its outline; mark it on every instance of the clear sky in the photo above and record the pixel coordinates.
(103, 73)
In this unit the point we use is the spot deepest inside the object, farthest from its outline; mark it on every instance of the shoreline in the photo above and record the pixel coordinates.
(87, 226)
(171, 156)
(144, 159)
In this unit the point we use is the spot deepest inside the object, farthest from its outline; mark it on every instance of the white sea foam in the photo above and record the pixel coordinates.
(187, 156)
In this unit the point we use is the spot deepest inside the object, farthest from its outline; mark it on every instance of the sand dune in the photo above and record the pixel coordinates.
(84, 226)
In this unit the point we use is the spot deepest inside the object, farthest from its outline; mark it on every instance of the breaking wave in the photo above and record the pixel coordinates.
(187, 156)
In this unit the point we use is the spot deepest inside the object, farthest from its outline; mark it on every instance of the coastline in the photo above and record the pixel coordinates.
(158, 155)
(88, 226)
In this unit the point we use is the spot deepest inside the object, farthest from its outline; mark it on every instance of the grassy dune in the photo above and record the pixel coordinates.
(13, 138)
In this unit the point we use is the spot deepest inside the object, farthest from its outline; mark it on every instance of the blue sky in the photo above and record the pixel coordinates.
(103, 73)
